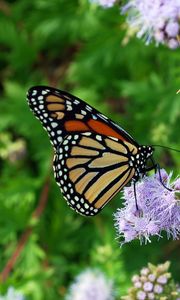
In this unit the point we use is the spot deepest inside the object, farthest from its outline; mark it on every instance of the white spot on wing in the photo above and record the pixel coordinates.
(40, 98)
(54, 124)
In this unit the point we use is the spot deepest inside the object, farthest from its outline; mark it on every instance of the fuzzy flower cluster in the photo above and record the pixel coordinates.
(158, 209)
(153, 282)
(12, 294)
(91, 285)
(157, 20)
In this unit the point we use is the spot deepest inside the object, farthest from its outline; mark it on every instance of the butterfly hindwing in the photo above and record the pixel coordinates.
(90, 169)
(62, 114)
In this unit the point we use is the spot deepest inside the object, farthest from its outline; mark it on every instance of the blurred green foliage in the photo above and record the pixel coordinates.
(81, 48)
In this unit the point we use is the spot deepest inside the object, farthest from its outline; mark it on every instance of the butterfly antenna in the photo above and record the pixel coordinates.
(166, 147)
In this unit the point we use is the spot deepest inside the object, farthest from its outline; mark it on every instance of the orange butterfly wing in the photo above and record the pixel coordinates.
(90, 169)
(62, 113)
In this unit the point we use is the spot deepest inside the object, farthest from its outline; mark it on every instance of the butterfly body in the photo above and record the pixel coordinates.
(94, 157)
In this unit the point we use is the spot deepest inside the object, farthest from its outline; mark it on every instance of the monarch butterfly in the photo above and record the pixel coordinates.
(94, 157)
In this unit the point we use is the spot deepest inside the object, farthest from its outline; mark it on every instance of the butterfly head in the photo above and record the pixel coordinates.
(146, 151)
(140, 160)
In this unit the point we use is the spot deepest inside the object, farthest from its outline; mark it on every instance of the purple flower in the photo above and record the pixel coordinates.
(144, 271)
(158, 289)
(148, 286)
(158, 209)
(91, 285)
(12, 294)
(153, 282)
(141, 295)
(138, 284)
(105, 3)
(155, 19)
(173, 44)
(172, 29)
(162, 279)
(135, 278)
(151, 296)
(177, 184)
(152, 277)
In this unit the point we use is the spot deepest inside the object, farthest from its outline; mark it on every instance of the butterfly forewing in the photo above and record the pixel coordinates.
(91, 169)
(62, 114)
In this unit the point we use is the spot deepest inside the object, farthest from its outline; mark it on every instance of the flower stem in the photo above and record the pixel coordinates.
(26, 234)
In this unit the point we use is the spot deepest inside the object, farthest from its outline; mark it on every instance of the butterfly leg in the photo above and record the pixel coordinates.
(161, 180)
(135, 195)
(156, 168)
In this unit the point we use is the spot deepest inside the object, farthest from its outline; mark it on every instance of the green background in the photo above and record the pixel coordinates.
(83, 49)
